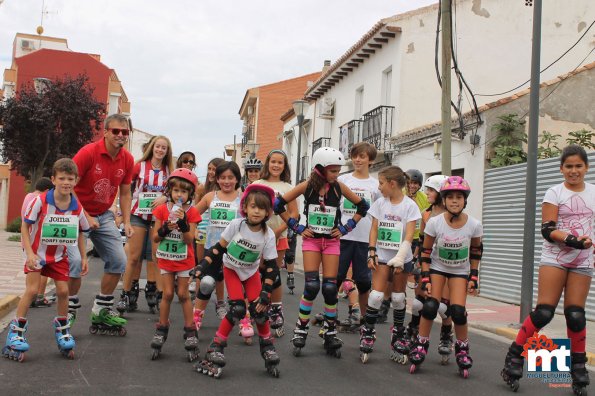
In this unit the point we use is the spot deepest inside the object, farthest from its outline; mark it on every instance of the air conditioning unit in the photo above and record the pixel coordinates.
(250, 110)
(27, 45)
(327, 109)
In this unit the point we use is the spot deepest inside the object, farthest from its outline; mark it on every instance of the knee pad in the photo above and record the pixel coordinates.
(329, 290)
(375, 299)
(542, 315)
(417, 305)
(458, 314)
(259, 317)
(207, 285)
(312, 285)
(575, 318)
(237, 310)
(363, 286)
(398, 300)
(277, 282)
(430, 308)
(443, 310)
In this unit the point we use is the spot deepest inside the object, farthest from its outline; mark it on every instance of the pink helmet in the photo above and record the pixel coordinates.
(455, 183)
(185, 174)
(257, 187)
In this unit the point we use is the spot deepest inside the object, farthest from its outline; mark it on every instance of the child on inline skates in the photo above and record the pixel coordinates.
(276, 174)
(222, 207)
(53, 220)
(567, 215)
(389, 257)
(322, 193)
(175, 225)
(450, 255)
(239, 250)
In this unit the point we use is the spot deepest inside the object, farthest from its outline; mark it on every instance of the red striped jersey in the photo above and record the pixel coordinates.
(51, 228)
(149, 184)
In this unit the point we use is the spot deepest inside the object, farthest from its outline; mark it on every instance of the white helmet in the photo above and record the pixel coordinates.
(326, 156)
(435, 182)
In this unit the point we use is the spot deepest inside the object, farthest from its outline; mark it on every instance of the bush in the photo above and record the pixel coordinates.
(15, 238)
(14, 226)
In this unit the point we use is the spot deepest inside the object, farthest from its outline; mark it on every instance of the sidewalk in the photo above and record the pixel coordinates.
(484, 314)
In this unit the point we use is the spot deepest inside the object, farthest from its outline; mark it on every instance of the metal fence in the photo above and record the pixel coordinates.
(503, 217)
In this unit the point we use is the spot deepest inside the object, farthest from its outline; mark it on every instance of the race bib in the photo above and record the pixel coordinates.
(390, 234)
(172, 247)
(145, 202)
(222, 213)
(349, 207)
(321, 220)
(60, 230)
(453, 253)
(242, 253)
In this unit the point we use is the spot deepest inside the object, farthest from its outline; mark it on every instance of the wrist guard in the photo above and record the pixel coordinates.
(163, 231)
(425, 280)
(295, 226)
(574, 242)
(474, 279)
(347, 227)
(279, 206)
(183, 225)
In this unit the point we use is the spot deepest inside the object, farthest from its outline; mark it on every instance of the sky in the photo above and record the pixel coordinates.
(185, 65)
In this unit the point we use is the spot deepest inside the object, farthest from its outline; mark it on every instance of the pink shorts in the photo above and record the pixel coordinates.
(322, 245)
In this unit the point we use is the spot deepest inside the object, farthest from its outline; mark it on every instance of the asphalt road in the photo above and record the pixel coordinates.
(122, 365)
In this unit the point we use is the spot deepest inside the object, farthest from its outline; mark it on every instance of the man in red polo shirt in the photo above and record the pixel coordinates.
(104, 166)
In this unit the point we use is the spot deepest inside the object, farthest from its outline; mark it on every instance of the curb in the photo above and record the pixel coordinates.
(511, 334)
(7, 304)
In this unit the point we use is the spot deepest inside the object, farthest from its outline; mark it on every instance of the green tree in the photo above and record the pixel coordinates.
(582, 137)
(548, 145)
(43, 125)
(508, 145)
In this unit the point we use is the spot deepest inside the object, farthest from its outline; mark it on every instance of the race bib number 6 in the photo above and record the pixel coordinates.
(60, 230)
(349, 207)
(242, 252)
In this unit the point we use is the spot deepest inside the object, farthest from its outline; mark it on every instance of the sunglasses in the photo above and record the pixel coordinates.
(118, 131)
(187, 161)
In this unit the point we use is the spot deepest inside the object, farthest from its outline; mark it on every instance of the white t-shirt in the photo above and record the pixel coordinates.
(576, 214)
(245, 248)
(368, 190)
(452, 246)
(392, 222)
(280, 189)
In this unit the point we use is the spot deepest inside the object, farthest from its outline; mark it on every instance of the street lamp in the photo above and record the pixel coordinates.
(300, 107)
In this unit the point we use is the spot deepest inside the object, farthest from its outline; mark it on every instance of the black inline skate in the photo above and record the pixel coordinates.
(133, 296)
(580, 375)
(214, 360)
(270, 356)
(352, 323)
(276, 319)
(151, 296)
(445, 346)
(418, 353)
(383, 311)
(513, 366)
(124, 304)
(400, 345)
(191, 343)
(300, 333)
(464, 361)
(332, 344)
(290, 283)
(366, 342)
(158, 340)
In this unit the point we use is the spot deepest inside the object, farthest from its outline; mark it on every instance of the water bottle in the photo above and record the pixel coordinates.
(172, 214)
(39, 264)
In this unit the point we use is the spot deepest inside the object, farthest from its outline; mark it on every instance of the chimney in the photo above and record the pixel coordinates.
(326, 66)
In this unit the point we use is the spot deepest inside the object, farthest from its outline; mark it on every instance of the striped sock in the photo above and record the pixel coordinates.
(330, 311)
(305, 310)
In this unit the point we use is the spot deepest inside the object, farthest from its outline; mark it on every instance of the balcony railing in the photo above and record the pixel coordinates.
(320, 142)
(247, 135)
(304, 169)
(377, 126)
(349, 134)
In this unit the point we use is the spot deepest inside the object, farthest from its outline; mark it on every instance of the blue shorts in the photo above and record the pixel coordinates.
(355, 254)
(108, 244)
(136, 221)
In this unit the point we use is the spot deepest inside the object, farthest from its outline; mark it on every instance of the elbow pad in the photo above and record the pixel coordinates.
(476, 252)
(216, 258)
(279, 206)
(271, 269)
(547, 229)
(362, 207)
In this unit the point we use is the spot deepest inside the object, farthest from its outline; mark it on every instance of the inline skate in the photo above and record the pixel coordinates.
(16, 343)
(214, 360)
(107, 322)
(270, 356)
(580, 375)
(221, 309)
(418, 353)
(366, 342)
(133, 296)
(73, 305)
(246, 330)
(400, 345)
(151, 297)
(124, 304)
(464, 361)
(300, 333)
(277, 319)
(191, 343)
(352, 323)
(158, 340)
(445, 346)
(64, 339)
(513, 366)
(332, 344)
(290, 283)
(383, 311)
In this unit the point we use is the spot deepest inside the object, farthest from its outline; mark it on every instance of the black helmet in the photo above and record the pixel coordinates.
(415, 175)
(253, 163)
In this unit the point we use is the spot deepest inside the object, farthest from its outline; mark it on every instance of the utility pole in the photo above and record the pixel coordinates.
(445, 10)
(531, 180)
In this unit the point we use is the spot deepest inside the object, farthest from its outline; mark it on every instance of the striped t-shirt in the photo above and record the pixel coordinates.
(150, 184)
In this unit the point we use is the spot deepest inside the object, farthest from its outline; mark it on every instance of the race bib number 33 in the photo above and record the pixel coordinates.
(60, 230)
(321, 220)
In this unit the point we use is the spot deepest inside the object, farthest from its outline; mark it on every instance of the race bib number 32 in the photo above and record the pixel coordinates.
(389, 234)
(60, 230)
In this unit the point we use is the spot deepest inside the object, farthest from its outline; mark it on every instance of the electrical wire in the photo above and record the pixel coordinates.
(547, 67)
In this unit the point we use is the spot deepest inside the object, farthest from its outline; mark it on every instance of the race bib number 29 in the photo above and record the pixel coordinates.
(60, 230)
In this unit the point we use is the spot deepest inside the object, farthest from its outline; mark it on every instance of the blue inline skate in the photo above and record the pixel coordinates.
(64, 339)
(16, 343)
